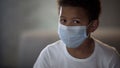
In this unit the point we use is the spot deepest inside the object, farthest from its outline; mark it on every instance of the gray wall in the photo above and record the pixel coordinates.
(20, 16)
(110, 16)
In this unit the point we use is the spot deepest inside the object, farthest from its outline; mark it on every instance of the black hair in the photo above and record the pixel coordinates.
(93, 7)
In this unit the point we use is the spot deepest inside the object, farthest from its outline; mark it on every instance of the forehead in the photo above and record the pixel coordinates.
(68, 11)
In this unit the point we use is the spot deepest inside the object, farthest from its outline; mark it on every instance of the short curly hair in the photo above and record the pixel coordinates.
(93, 7)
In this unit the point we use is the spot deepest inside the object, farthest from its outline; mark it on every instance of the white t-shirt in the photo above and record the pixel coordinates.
(56, 56)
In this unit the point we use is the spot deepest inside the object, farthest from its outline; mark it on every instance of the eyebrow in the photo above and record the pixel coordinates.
(72, 18)
(62, 17)
(76, 18)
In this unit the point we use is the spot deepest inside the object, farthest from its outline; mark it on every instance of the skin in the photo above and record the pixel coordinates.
(77, 16)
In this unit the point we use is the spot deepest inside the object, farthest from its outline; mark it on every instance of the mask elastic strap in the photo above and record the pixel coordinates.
(88, 27)
(89, 24)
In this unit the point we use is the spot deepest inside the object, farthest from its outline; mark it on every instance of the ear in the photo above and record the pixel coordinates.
(93, 26)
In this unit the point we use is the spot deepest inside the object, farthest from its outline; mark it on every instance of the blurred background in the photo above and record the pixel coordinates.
(27, 26)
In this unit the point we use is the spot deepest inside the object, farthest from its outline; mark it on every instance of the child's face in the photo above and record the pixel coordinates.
(73, 16)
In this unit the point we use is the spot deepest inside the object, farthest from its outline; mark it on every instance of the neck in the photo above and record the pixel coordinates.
(84, 50)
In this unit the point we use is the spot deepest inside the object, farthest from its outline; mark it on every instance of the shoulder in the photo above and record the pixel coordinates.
(53, 48)
(48, 54)
(56, 45)
(107, 54)
(105, 48)
(107, 51)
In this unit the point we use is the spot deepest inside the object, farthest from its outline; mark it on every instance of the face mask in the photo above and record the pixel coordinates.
(72, 36)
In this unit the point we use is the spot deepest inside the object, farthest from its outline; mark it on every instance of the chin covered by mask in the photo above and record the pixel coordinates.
(72, 36)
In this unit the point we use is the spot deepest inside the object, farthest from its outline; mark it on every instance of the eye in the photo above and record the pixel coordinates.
(63, 21)
(76, 21)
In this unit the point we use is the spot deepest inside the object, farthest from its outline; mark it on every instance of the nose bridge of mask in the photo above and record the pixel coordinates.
(71, 27)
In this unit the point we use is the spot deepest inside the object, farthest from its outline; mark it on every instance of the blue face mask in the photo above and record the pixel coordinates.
(72, 36)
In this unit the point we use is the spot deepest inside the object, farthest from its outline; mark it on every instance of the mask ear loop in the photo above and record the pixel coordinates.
(89, 36)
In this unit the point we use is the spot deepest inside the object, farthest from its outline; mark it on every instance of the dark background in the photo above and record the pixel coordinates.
(27, 26)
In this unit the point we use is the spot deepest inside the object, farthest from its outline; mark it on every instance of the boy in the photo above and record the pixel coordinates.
(77, 49)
